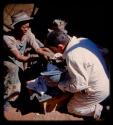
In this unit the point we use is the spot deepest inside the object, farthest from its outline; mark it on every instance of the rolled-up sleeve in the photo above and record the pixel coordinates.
(9, 42)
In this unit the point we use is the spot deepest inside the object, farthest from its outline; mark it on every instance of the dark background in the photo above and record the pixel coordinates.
(86, 19)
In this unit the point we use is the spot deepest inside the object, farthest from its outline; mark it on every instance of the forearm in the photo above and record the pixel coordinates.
(45, 52)
(22, 58)
(19, 56)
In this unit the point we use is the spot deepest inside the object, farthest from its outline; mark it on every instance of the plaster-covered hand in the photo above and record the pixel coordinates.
(57, 56)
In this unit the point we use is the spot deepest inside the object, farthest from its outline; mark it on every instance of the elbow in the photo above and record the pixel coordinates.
(39, 51)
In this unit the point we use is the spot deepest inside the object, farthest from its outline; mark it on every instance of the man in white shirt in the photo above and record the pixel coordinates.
(87, 73)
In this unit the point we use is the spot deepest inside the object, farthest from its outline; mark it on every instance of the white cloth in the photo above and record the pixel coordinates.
(87, 70)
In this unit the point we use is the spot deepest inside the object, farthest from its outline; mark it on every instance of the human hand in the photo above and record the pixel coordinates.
(25, 58)
(57, 56)
(27, 51)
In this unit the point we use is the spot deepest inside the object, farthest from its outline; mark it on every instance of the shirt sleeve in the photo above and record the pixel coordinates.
(9, 42)
(32, 40)
(78, 75)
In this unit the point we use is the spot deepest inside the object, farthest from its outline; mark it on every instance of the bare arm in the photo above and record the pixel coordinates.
(40, 49)
(47, 53)
(18, 55)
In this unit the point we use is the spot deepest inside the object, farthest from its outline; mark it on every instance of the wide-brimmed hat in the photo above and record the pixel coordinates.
(20, 17)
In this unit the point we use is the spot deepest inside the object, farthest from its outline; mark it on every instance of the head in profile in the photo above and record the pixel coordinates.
(21, 22)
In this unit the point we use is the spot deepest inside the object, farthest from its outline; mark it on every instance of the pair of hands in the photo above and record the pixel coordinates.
(46, 52)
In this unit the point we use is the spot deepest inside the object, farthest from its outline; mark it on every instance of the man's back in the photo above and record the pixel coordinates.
(86, 65)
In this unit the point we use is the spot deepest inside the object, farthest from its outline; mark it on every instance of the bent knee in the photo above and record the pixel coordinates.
(74, 110)
(105, 94)
(14, 69)
(11, 67)
(81, 111)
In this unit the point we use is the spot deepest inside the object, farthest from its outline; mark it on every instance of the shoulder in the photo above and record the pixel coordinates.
(83, 38)
(8, 37)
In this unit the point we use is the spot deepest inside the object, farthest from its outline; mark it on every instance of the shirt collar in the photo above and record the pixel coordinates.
(72, 39)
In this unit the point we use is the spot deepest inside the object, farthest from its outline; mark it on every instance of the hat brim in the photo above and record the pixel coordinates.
(27, 19)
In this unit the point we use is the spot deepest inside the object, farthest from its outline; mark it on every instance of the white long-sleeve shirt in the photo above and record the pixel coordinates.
(86, 67)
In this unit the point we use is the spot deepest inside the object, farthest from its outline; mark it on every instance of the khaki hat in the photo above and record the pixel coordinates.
(20, 17)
